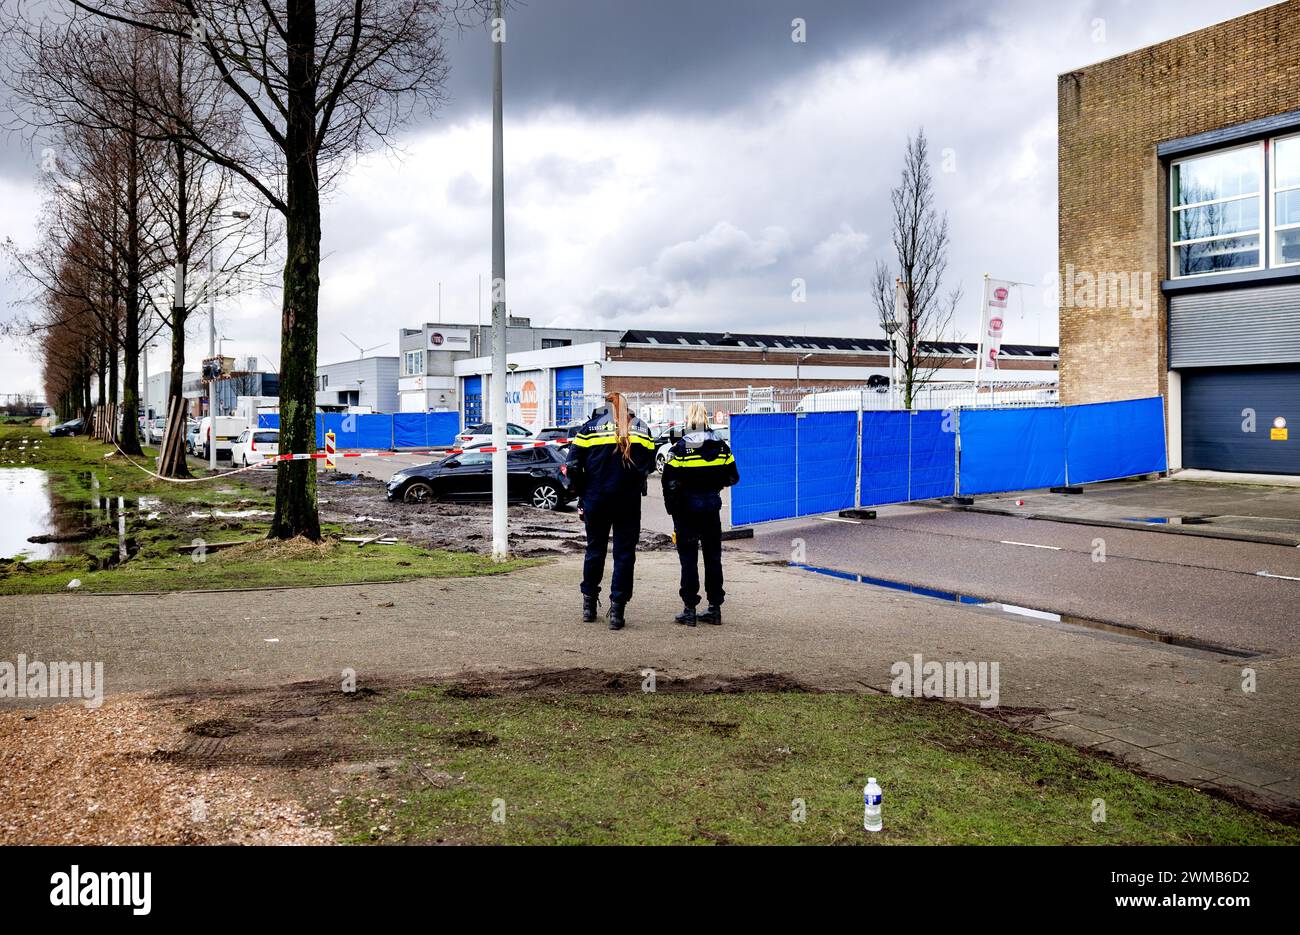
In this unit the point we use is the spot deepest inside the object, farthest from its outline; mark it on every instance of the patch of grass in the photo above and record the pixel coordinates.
(681, 768)
(83, 478)
(80, 468)
(262, 563)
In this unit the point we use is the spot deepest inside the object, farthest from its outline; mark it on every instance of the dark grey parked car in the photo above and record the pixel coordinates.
(71, 427)
(535, 476)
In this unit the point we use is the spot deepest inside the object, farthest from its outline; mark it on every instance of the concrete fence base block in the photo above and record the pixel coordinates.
(858, 514)
(962, 501)
(743, 532)
(1066, 489)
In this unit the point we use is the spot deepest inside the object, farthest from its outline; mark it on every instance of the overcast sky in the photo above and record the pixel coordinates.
(677, 163)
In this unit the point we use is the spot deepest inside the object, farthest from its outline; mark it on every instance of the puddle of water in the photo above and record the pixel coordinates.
(28, 509)
(32, 510)
(1167, 520)
(1014, 610)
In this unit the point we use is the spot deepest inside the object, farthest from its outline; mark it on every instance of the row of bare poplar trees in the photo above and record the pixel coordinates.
(163, 117)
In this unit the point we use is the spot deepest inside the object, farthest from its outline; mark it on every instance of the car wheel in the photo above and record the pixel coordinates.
(546, 496)
(418, 492)
(245, 460)
(660, 460)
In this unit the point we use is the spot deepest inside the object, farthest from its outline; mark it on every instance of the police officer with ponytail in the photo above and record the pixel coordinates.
(699, 465)
(609, 461)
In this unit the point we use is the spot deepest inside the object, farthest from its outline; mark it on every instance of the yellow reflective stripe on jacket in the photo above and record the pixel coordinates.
(611, 438)
(698, 461)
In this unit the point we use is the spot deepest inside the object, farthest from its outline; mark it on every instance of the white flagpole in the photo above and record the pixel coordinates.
(984, 331)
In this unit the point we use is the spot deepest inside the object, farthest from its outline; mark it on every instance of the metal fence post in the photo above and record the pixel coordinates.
(910, 416)
(956, 453)
(857, 474)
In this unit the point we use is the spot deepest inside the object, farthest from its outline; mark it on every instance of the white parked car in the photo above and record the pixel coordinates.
(255, 445)
(476, 435)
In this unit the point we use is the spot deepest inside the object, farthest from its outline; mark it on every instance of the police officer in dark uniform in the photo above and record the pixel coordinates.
(609, 461)
(699, 465)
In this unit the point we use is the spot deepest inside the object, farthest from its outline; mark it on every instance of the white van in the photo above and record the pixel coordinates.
(834, 401)
(229, 428)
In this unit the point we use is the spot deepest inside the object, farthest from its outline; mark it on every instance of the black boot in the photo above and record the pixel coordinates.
(615, 616)
(590, 608)
(687, 617)
(713, 615)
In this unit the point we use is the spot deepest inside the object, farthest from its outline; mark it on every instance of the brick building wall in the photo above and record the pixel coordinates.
(1112, 188)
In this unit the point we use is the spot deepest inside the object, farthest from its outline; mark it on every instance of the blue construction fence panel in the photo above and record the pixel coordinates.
(409, 430)
(884, 457)
(907, 456)
(441, 428)
(764, 446)
(825, 457)
(375, 431)
(425, 429)
(1012, 449)
(932, 454)
(1104, 441)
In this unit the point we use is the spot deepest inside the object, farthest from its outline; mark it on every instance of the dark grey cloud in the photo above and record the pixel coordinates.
(684, 55)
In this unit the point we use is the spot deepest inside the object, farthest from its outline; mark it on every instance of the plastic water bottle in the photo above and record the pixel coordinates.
(871, 806)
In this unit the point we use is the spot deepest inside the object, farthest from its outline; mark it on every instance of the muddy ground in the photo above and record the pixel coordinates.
(361, 504)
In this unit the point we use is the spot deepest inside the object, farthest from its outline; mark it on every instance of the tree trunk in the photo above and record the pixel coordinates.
(295, 487)
(130, 434)
(172, 463)
(98, 424)
(113, 383)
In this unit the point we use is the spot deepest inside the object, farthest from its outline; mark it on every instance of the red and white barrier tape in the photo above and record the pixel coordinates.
(321, 456)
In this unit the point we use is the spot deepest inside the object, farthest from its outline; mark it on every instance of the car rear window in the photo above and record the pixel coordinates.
(267, 437)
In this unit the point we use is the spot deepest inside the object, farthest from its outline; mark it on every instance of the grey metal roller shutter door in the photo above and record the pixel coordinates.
(1243, 326)
(1213, 401)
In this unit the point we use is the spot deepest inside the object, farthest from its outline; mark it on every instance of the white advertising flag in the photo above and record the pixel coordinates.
(997, 294)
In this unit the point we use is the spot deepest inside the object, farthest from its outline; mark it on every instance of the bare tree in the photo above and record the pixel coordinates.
(86, 76)
(315, 82)
(920, 241)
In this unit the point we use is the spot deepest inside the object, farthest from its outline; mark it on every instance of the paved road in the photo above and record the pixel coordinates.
(1207, 590)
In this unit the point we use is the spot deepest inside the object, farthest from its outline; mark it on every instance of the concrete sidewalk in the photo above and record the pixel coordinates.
(1244, 512)
(1175, 712)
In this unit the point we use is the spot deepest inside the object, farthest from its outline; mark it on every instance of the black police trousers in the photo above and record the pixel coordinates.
(622, 518)
(699, 531)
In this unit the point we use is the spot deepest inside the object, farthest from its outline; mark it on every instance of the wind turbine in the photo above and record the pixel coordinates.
(361, 351)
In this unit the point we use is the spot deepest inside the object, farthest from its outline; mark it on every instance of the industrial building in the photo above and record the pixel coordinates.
(427, 382)
(1179, 236)
(555, 386)
(367, 384)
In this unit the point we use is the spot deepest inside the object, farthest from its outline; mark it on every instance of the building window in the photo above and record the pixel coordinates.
(1285, 175)
(555, 342)
(323, 381)
(413, 363)
(1217, 214)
